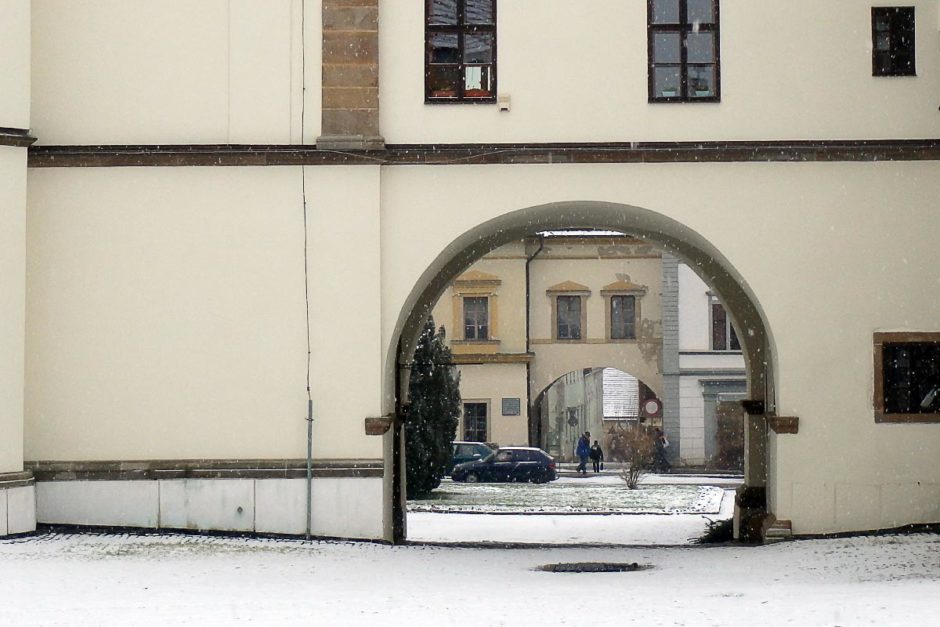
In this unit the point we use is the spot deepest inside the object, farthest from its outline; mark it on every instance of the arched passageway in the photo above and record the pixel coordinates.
(659, 230)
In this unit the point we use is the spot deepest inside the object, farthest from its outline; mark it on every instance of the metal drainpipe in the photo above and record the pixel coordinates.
(309, 465)
(528, 365)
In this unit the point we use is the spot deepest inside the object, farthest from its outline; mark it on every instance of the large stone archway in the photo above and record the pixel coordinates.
(664, 232)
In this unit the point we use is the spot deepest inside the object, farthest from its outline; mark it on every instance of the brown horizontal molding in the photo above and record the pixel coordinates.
(495, 358)
(784, 424)
(9, 480)
(504, 154)
(19, 137)
(202, 469)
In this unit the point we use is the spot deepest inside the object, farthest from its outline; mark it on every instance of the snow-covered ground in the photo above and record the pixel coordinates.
(667, 510)
(79, 579)
(601, 494)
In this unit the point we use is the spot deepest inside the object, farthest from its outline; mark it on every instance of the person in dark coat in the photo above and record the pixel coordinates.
(660, 463)
(597, 456)
(583, 451)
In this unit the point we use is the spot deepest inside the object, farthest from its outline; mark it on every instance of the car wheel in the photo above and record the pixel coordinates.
(472, 478)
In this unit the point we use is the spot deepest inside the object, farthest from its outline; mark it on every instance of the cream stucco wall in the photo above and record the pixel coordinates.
(14, 63)
(166, 313)
(507, 264)
(794, 70)
(12, 305)
(491, 383)
(175, 71)
(581, 263)
(811, 240)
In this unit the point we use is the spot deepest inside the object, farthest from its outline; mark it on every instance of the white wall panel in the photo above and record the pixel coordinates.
(103, 503)
(203, 504)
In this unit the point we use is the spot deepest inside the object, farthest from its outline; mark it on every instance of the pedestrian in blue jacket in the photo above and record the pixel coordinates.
(583, 451)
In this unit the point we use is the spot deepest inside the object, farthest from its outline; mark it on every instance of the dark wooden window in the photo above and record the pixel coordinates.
(683, 51)
(474, 422)
(724, 337)
(476, 318)
(907, 377)
(622, 317)
(892, 37)
(568, 317)
(460, 51)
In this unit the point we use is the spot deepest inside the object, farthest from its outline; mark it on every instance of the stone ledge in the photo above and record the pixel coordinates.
(149, 470)
(10, 480)
(17, 137)
(784, 424)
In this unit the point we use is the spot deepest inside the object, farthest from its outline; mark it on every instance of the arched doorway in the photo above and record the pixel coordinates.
(595, 400)
(659, 230)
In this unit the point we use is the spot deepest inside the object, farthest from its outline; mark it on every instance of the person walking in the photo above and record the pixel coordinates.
(660, 463)
(583, 451)
(597, 456)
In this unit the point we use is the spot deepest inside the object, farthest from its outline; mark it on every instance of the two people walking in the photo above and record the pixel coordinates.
(585, 450)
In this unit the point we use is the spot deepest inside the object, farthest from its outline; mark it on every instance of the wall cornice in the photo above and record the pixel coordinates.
(463, 154)
(18, 137)
(201, 469)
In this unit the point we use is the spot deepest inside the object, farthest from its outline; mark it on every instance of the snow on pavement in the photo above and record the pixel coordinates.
(161, 579)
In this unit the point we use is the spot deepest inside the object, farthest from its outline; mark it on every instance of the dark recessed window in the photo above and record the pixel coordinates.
(622, 317)
(907, 377)
(892, 36)
(568, 317)
(724, 337)
(476, 319)
(683, 51)
(474, 422)
(460, 51)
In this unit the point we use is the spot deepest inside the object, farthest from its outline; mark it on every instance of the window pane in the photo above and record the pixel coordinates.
(474, 422)
(735, 343)
(666, 82)
(701, 11)
(667, 48)
(701, 47)
(622, 317)
(719, 328)
(443, 81)
(443, 48)
(478, 48)
(478, 81)
(479, 12)
(476, 319)
(665, 12)
(443, 12)
(702, 81)
(569, 317)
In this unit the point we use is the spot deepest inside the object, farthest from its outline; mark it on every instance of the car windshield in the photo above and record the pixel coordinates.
(490, 457)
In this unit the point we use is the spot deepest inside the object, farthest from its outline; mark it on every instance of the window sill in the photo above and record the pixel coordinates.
(454, 100)
(882, 417)
(489, 342)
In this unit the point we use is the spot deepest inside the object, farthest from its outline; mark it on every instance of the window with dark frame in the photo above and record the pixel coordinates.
(476, 318)
(724, 337)
(622, 317)
(683, 51)
(568, 317)
(474, 422)
(892, 36)
(907, 377)
(460, 51)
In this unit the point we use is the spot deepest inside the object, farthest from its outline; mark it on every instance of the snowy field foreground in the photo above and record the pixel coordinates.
(593, 510)
(89, 579)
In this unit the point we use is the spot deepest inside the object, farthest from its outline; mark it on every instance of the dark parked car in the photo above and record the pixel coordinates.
(511, 463)
(469, 452)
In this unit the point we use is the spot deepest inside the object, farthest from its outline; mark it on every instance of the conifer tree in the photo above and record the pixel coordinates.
(431, 424)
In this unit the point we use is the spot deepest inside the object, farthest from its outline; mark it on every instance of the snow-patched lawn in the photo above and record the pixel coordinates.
(71, 579)
(666, 510)
(570, 497)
